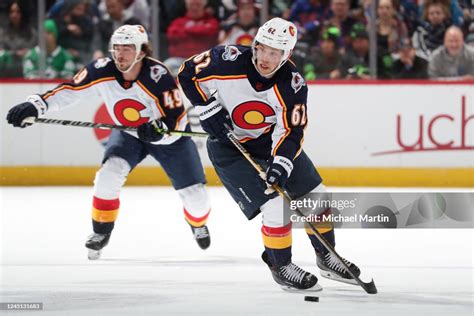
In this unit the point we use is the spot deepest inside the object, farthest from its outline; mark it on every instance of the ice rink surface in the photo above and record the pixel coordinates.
(152, 265)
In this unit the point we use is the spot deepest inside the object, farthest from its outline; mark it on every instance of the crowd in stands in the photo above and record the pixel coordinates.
(415, 39)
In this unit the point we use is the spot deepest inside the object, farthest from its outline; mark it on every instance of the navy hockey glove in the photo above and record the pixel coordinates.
(19, 112)
(33, 107)
(150, 132)
(213, 119)
(279, 171)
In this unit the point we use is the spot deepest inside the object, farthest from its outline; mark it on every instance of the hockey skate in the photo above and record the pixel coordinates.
(95, 243)
(202, 236)
(292, 278)
(332, 269)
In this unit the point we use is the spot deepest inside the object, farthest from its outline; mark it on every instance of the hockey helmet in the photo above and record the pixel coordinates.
(279, 34)
(135, 35)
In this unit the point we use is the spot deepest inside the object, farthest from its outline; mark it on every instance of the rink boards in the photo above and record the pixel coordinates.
(359, 134)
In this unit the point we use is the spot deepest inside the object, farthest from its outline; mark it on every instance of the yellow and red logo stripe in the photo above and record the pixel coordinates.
(196, 221)
(105, 211)
(277, 237)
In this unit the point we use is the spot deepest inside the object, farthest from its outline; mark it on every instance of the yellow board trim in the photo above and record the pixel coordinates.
(277, 242)
(367, 177)
(104, 216)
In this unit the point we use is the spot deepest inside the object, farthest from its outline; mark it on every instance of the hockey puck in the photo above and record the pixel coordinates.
(311, 298)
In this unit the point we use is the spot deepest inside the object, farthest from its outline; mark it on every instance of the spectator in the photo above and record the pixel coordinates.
(409, 12)
(470, 40)
(455, 10)
(280, 8)
(454, 59)
(341, 19)
(6, 65)
(307, 15)
(430, 34)
(193, 33)
(137, 9)
(355, 63)
(76, 29)
(391, 31)
(242, 30)
(16, 38)
(59, 63)
(324, 61)
(409, 65)
(111, 20)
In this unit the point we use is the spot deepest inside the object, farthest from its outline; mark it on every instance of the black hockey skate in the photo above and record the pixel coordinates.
(202, 236)
(292, 278)
(95, 243)
(332, 269)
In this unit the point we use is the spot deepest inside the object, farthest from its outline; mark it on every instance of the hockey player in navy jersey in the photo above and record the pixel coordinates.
(140, 92)
(259, 93)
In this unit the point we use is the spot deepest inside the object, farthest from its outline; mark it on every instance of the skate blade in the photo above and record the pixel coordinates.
(335, 277)
(316, 288)
(94, 254)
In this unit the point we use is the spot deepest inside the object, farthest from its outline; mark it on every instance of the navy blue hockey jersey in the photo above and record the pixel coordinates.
(268, 115)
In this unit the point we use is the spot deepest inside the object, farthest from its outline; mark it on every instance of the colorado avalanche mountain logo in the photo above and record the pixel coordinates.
(231, 53)
(297, 82)
(156, 72)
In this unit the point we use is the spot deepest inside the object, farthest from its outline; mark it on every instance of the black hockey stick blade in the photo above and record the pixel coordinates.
(369, 287)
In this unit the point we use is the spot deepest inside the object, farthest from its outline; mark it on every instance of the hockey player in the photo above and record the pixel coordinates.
(140, 92)
(259, 93)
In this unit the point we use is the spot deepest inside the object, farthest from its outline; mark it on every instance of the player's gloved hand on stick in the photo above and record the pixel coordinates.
(33, 107)
(214, 118)
(19, 112)
(150, 132)
(278, 172)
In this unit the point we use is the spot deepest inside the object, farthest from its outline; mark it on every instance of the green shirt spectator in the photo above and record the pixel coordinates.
(6, 64)
(59, 63)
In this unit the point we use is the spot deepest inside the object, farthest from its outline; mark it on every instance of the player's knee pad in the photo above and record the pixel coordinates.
(195, 199)
(321, 188)
(110, 178)
(273, 214)
(323, 197)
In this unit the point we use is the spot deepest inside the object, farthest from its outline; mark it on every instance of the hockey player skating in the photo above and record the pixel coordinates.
(259, 93)
(140, 92)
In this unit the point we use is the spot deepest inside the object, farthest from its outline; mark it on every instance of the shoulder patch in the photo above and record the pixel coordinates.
(297, 81)
(156, 72)
(231, 53)
(102, 62)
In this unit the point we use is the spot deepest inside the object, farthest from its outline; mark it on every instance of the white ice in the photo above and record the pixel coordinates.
(152, 265)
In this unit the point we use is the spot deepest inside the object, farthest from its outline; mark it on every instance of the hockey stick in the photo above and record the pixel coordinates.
(369, 287)
(32, 120)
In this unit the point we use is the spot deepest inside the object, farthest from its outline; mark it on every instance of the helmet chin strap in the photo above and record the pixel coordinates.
(131, 66)
(267, 76)
(254, 62)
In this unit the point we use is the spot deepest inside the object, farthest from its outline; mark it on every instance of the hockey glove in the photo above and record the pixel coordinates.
(150, 132)
(278, 172)
(213, 119)
(33, 107)
(19, 112)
